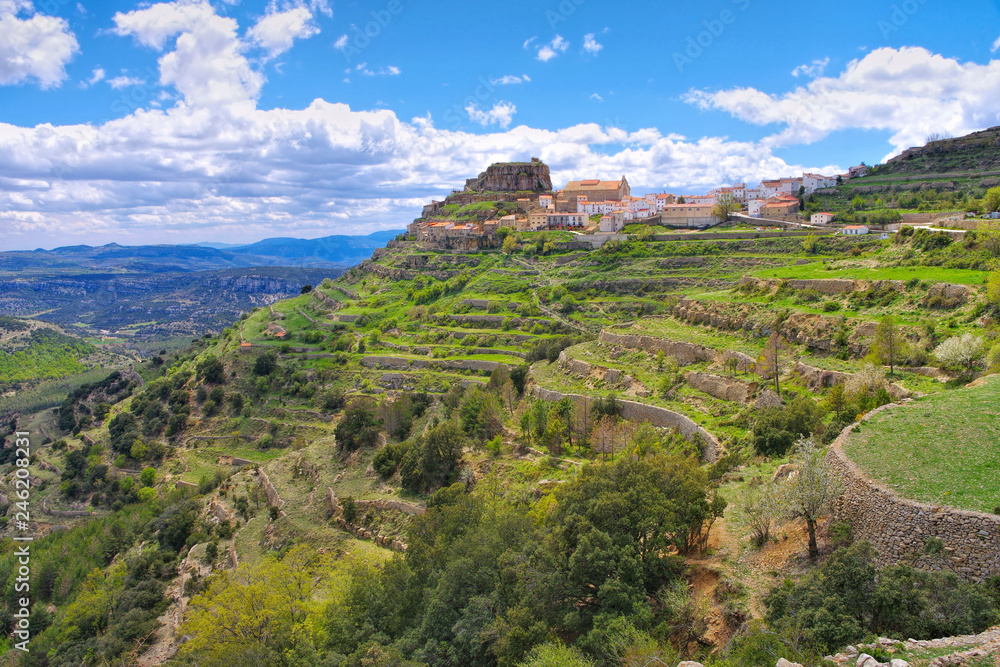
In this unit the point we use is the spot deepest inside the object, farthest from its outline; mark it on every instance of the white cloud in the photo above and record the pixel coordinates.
(501, 114)
(510, 80)
(96, 75)
(123, 81)
(908, 91)
(277, 31)
(996, 45)
(590, 44)
(37, 47)
(207, 65)
(597, 97)
(812, 70)
(549, 51)
(529, 41)
(214, 166)
(341, 42)
(391, 70)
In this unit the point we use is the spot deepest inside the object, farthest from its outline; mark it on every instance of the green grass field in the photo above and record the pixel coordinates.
(930, 274)
(944, 449)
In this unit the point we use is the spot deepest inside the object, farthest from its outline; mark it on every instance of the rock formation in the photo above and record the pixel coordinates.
(512, 177)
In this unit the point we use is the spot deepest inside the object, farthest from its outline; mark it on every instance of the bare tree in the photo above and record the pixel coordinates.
(812, 491)
(605, 434)
(769, 364)
(889, 344)
(760, 506)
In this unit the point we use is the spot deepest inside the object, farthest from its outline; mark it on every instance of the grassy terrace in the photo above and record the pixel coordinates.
(823, 270)
(944, 449)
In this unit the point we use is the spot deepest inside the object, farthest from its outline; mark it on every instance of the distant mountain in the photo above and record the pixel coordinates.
(156, 292)
(329, 252)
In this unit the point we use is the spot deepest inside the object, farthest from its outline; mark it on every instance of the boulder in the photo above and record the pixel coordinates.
(865, 660)
(785, 663)
(898, 662)
(690, 663)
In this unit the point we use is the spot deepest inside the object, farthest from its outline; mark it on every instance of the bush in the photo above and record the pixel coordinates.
(848, 598)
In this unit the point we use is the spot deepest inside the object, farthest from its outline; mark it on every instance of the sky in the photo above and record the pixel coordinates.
(237, 120)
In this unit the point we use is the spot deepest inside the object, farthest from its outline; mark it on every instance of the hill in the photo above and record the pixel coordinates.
(476, 457)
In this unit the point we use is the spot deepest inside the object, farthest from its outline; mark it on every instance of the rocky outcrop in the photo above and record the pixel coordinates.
(724, 388)
(947, 295)
(899, 528)
(711, 449)
(819, 378)
(512, 177)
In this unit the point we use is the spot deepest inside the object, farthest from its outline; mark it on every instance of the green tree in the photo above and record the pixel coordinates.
(991, 202)
(725, 206)
(358, 428)
(812, 490)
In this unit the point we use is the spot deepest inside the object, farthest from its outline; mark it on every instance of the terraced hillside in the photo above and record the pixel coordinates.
(434, 412)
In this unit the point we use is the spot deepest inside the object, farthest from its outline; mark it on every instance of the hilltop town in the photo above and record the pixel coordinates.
(518, 196)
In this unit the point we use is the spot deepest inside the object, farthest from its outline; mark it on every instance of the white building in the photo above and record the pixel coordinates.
(566, 220)
(821, 218)
(813, 182)
(854, 230)
(754, 207)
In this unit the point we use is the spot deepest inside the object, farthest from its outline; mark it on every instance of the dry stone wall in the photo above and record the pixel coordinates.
(899, 528)
(725, 388)
(686, 353)
(401, 363)
(640, 412)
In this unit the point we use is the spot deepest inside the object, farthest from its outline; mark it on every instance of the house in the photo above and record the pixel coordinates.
(545, 201)
(813, 182)
(663, 199)
(597, 190)
(245, 346)
(858, 172)
(554, 220)
(508, 221)
(821, 218)
(689, 215)
(538, 219)
(854, 230)
(781, 205)
(613, 222)
(755, 206)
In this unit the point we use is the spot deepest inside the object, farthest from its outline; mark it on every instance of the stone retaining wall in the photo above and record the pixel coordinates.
(685, 353)
(584, 369)
(273, 499)
(401, 363)
(640, 412)
(899, 528)
(725, 388)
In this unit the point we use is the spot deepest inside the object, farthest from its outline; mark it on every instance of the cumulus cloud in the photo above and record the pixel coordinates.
(547, 52)
(33, 46)
(207, 65)
(996, 45)
(215, 166)
(812, 70)
(277, 31)
(908, 91)
(510, 80)
(501, 114)
(590, 44)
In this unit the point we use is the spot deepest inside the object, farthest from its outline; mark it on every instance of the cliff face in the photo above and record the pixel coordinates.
(512, 177)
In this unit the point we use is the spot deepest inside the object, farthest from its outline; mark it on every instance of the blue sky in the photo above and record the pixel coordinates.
(193, 121)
